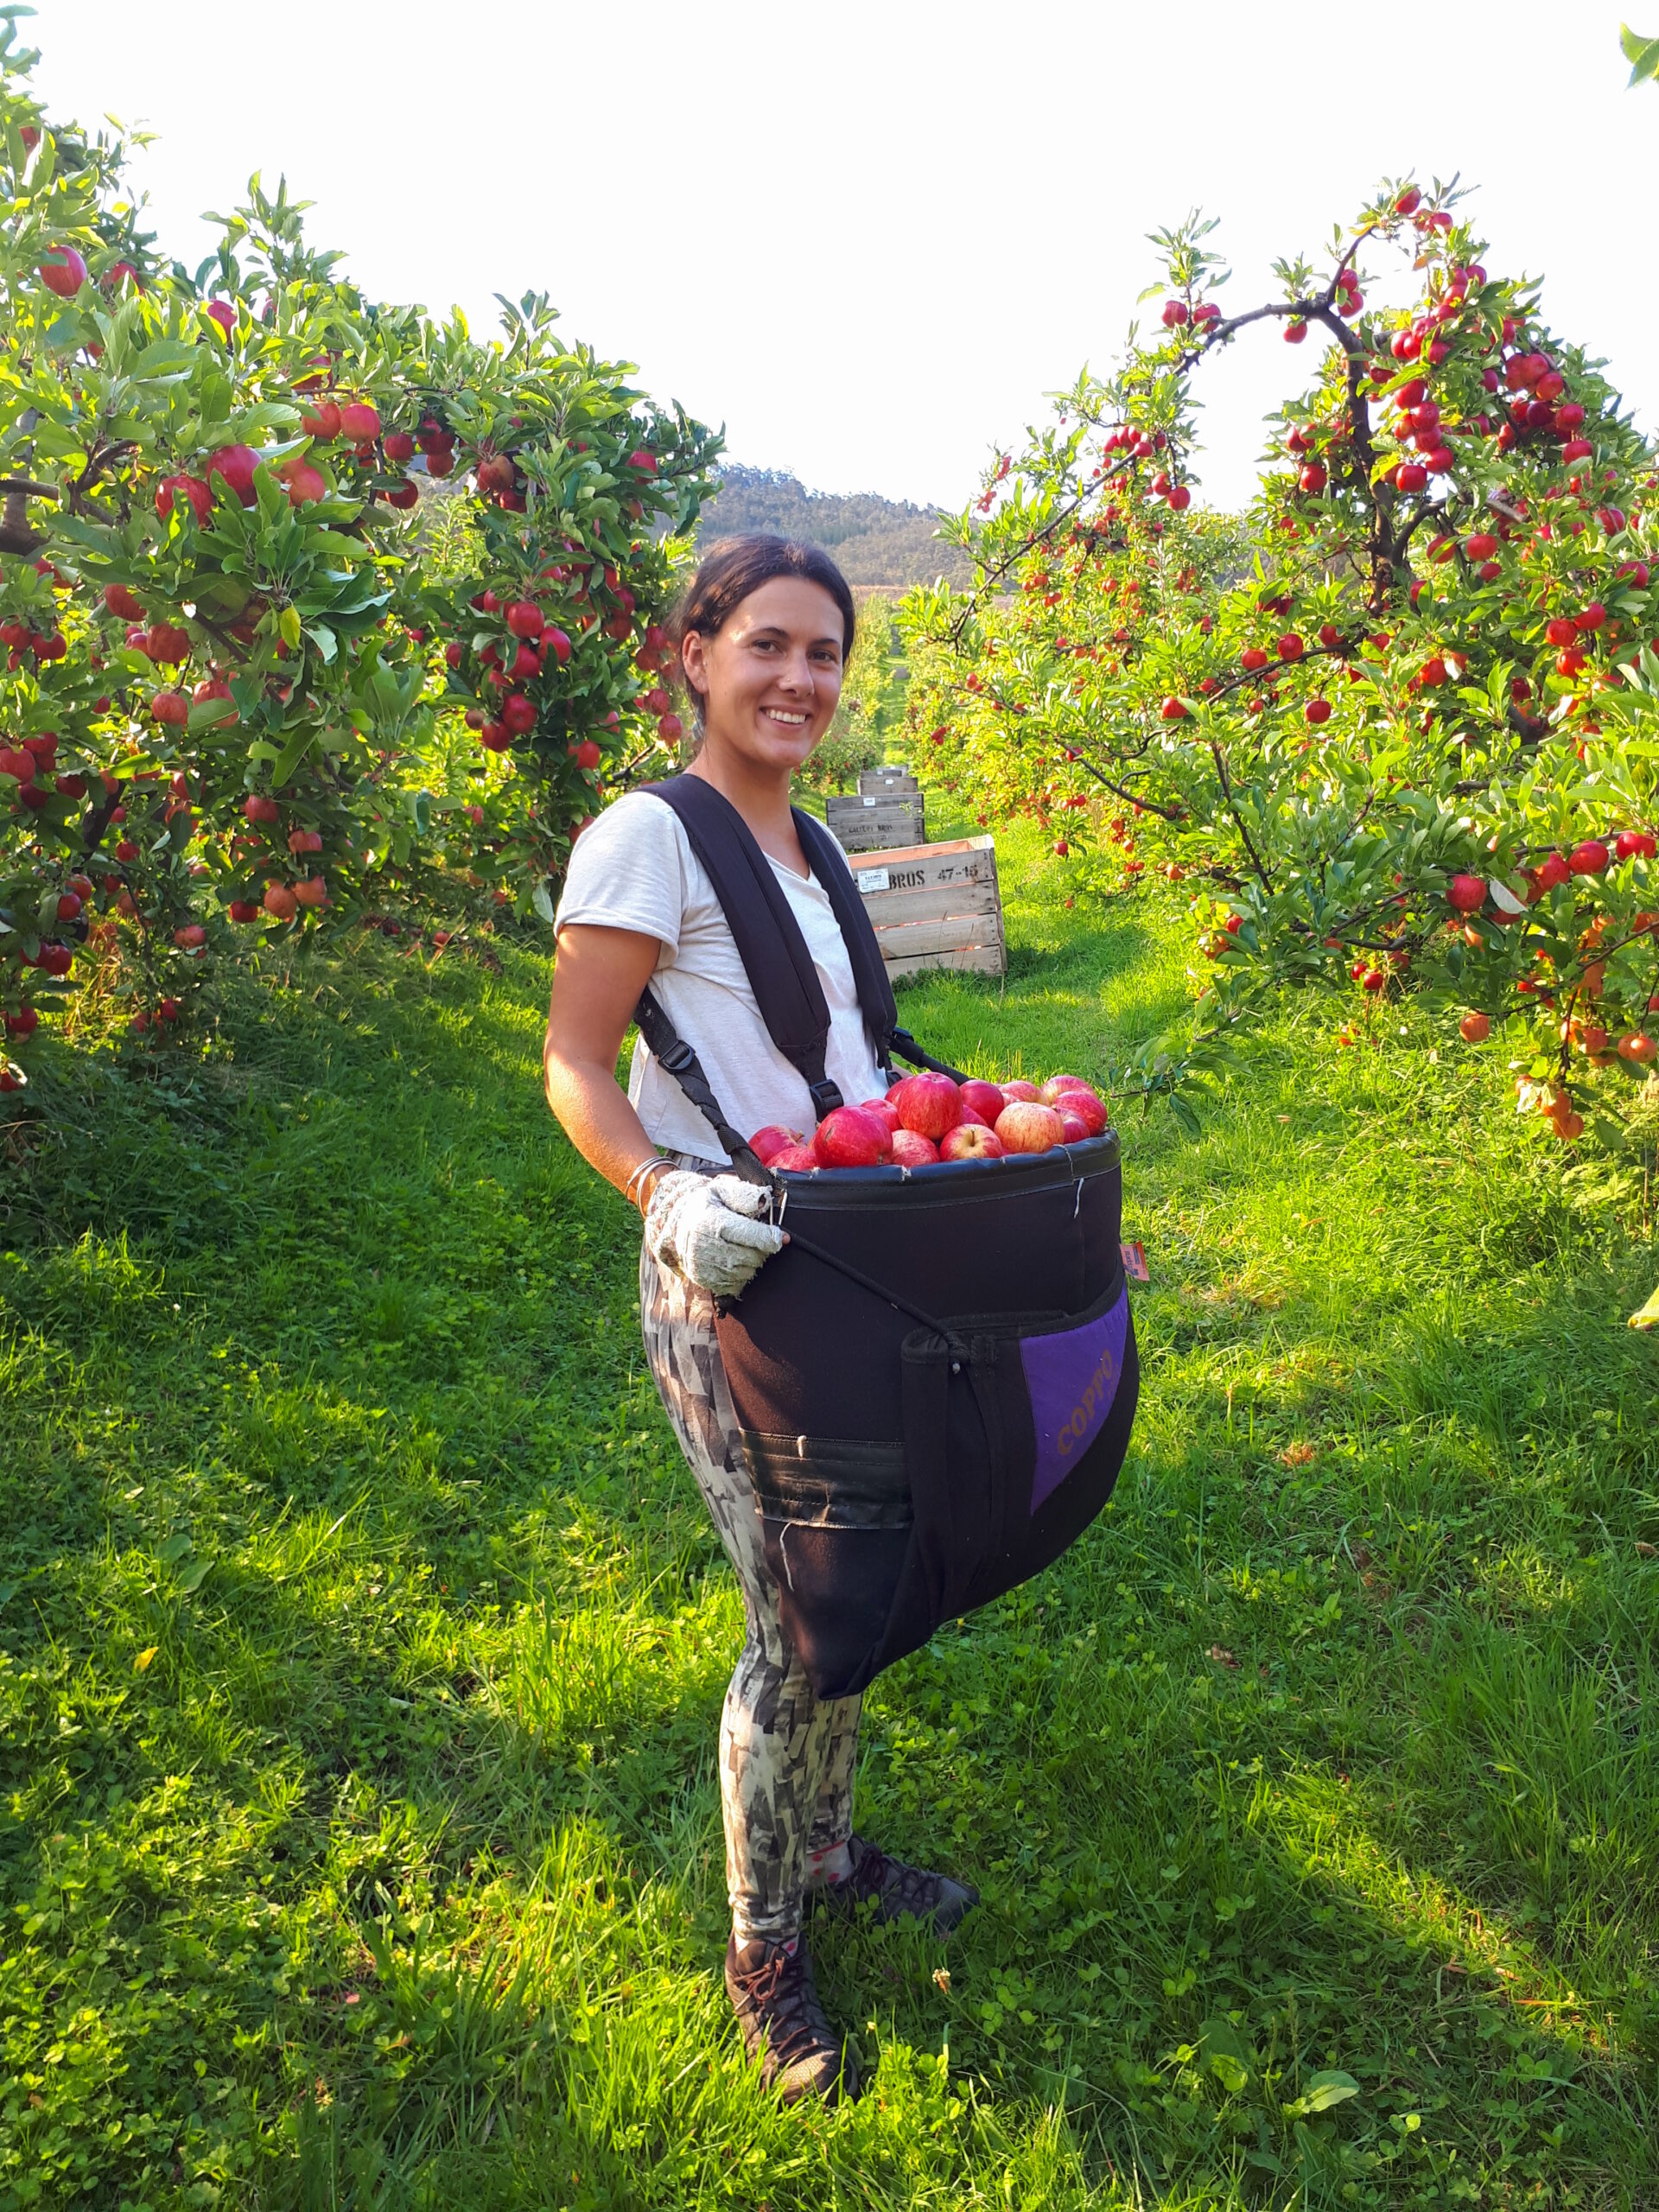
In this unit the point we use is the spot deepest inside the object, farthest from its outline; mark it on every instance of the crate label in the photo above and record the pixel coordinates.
(872, 879)
(870, 802)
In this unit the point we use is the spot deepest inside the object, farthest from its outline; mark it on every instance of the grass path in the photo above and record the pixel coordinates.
(362, 1643)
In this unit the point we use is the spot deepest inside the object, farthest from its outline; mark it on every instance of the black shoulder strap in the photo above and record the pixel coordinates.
(775, 956)
(870, 977)
(769, 942)
(672, 1052)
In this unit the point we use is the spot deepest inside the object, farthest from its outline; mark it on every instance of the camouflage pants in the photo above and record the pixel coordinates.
(786, 1755)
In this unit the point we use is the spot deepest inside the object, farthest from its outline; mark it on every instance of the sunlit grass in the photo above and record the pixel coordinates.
(362, 1644)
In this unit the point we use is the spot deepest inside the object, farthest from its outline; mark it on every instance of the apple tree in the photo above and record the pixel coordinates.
(316, 610)
(1399, 733)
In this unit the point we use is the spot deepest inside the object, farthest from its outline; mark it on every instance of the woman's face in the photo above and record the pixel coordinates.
(769, 675)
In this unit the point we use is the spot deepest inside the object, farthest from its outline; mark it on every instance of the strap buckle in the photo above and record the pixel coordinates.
(826, 1096)
(678, 1056)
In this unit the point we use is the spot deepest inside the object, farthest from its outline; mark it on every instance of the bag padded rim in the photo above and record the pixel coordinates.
(950, 1182)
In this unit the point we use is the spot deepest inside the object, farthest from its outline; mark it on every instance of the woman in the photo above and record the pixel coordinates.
(763, 635)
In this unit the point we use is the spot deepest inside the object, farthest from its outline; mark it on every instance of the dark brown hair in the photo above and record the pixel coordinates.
(735, 567)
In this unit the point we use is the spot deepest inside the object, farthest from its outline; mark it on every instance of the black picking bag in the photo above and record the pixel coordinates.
(936, 1378)
(910, 1470)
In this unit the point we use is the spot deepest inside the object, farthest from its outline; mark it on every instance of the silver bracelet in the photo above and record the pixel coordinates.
(641, 1168)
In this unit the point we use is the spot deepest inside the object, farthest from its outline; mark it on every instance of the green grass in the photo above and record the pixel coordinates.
(362, 1643)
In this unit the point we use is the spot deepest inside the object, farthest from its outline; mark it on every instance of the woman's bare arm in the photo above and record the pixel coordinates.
(597, 979)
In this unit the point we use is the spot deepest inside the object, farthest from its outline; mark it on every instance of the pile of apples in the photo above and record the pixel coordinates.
(927, 1118)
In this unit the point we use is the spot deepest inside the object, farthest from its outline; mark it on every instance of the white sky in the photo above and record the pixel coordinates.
(869, 238)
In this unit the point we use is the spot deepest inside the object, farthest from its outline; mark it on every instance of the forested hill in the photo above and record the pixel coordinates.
(883, 542)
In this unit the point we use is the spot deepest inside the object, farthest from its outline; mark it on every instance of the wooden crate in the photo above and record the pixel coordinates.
(874, 825)
(935, 906)
(873, 783)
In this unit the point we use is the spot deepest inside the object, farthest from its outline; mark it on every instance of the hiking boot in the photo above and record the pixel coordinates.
(776, 2001)
(934, 1899)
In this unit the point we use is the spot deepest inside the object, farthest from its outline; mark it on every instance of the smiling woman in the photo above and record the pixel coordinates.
(763, 635)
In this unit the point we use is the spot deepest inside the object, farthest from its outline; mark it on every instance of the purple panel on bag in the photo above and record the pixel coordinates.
(1072, 1377)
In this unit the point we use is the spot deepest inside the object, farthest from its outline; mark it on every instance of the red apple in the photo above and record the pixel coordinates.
(191, 489)
(912, 1149)
(851, 1138)
(970, 1120)
(1466, 893)
(1028, 1126)
(304, 482)
(1049, 1092)
(766, 1144)
(1073, 1129)
(793, 1159)
(359, 423)
(929, 1104)
(63, 271)
(1087, 1104)
(235, 465)
(885, 1111)
(971, 1140)
(1019, 1089)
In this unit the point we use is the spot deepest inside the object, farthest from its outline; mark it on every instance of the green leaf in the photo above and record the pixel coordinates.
(324, 639)
(541, 899)
(164, 358)
(288, 627)
(292, 755)
(1325, 2090)
(1229, 2062)
(194, 1575)
(1642, 53)
(205, 712)
(271, 494)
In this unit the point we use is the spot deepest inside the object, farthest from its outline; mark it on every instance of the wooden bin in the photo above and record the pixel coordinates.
(935, 906)
(873, 823)
(874, 782)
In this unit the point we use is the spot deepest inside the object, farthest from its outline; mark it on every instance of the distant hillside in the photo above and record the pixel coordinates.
(883, 545)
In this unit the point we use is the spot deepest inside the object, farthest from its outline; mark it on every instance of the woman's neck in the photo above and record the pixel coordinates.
(760, 794)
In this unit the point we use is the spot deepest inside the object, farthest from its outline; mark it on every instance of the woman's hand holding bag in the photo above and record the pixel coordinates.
(708, 1229)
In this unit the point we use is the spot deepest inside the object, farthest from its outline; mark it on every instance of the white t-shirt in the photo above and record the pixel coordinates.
(633, 868)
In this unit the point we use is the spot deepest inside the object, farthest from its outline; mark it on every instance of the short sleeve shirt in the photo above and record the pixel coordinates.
(633, 868)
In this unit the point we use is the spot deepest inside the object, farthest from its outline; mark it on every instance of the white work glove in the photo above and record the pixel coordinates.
(708, 1228)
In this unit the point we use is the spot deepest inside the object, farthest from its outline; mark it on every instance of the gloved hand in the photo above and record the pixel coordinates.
(708, 1229)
